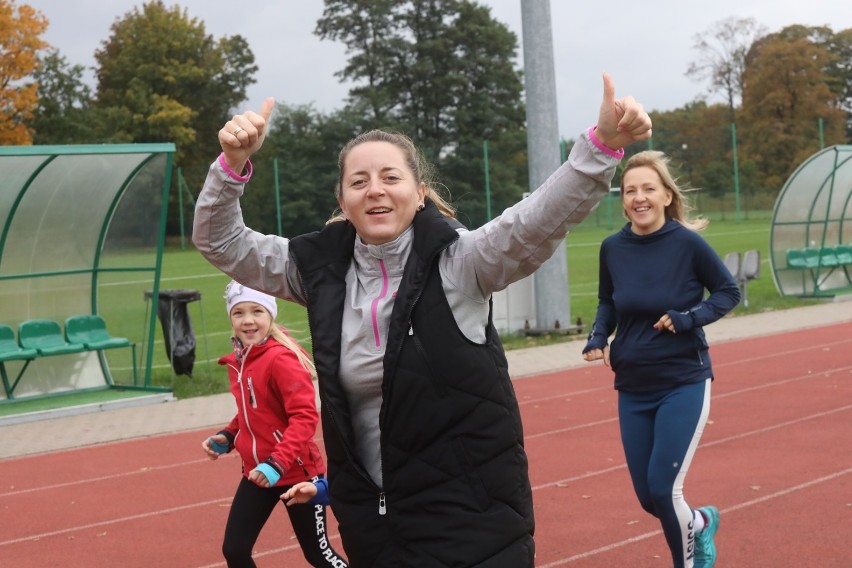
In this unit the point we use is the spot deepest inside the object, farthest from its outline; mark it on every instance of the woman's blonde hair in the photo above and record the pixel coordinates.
(422, 169)
(680, 207)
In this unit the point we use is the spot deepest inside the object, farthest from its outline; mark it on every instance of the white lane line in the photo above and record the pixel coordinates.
(738, 506)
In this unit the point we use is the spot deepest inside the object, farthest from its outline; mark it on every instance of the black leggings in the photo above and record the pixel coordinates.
(250, 510)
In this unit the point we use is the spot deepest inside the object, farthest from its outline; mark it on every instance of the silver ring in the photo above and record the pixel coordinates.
(238, 130)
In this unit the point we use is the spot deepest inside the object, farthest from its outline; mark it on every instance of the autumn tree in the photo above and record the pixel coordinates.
(786, 94)
(20, 29)
(162, 78)
(841, 47)
(722, 53)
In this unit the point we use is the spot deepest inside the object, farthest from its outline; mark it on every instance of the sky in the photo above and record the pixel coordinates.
(645, 46)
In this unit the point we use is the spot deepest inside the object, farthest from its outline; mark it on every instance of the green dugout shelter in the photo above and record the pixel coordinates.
(82, 230)
(811, 234)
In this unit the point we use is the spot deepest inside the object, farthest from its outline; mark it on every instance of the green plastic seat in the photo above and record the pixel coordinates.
(91, 331)
(9, 348)
(827, 257)
(843, 252)
(812, 259)
(796, 259)
(45, 336)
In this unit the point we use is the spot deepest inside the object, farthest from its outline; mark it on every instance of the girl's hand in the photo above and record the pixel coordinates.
(300, 493)
(208, 445)
(258, 478)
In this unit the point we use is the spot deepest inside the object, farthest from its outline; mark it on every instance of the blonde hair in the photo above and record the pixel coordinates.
(422, 170)
(680, 207)
(280, 335)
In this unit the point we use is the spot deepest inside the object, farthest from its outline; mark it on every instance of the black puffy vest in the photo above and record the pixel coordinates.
(456, 486)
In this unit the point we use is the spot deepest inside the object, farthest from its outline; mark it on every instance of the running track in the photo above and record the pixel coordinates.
(776, 458)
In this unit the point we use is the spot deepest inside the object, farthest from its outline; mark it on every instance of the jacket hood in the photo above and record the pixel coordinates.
(253, 350)
(669, 226)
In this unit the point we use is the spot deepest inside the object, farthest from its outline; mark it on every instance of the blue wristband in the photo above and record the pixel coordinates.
(272, 475)
(217, 447)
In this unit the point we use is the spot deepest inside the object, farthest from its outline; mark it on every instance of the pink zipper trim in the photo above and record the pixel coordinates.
(375, 306)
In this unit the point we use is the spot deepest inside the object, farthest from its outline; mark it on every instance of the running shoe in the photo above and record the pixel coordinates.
(705, 548)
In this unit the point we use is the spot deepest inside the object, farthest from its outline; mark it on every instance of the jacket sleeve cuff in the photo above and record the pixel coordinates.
(595, 342)
(229, 435)
(234, 175)
(271, 474)
(682, 321)
(617, 154)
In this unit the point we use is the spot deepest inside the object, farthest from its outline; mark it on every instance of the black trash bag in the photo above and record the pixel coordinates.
(178, 334)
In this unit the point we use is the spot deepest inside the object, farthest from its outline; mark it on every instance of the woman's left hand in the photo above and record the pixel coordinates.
(621, 121)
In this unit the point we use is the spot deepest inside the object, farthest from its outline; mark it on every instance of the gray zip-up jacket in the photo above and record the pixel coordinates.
(479, 263)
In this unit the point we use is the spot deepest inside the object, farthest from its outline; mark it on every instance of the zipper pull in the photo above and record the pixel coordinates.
(382, 507)
(410, 329)
(252, 400)
(301, 463)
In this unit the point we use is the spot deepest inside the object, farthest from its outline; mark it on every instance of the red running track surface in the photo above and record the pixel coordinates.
(776, 459)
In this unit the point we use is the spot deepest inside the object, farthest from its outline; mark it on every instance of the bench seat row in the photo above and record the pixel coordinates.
(44, 338)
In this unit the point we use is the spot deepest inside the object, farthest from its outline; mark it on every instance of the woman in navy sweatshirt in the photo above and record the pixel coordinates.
(653, 277)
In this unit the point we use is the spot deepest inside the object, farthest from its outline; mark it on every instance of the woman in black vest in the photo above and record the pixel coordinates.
(421, 427)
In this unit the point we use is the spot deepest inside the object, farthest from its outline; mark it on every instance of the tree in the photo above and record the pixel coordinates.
(305, 144)
(162, 78)
(441, 71)
(366, 27)
(841, 47)
(64, 114)
(20, 28)
(722, 54)
(786, 93)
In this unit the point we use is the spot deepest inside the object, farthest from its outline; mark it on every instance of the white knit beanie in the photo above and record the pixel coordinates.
(236, 293)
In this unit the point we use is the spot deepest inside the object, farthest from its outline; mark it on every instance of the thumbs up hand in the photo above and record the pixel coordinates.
(621, 121)
(244, 134)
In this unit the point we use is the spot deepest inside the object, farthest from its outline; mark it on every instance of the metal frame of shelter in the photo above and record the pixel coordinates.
(811, 234)
(82, 232)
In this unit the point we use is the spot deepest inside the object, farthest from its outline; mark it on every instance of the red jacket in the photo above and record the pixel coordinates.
(276, 412)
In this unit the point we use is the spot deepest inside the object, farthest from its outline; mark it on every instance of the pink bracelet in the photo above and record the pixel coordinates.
(617, 154)
(232, 174)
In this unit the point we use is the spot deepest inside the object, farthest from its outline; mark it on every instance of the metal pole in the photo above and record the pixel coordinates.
(551, 280)
(487, 181)
(277, 196)
(180, 207)
(736, 173)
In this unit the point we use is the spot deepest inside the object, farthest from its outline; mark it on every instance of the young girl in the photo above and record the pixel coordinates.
(273, 430)
(653, 277)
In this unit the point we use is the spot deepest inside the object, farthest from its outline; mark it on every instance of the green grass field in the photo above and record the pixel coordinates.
(186, 269)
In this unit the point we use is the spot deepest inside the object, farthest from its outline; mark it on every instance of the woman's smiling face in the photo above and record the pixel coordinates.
(645, 199)
(379, 192)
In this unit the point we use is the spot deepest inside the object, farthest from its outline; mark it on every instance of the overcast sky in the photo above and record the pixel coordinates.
(646, 46)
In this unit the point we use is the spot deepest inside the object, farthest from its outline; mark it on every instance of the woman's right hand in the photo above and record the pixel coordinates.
(244, 134)
(597, 354)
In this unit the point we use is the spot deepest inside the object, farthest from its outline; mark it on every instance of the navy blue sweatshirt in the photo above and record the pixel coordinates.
(643, 277)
